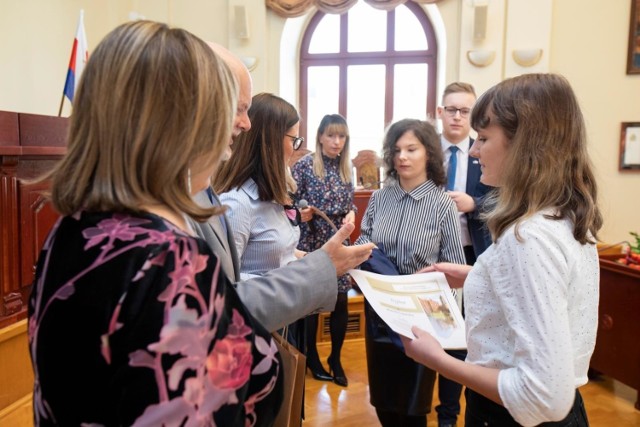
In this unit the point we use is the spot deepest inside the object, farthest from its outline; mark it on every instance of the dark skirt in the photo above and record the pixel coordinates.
(396, 382)
(481, 412)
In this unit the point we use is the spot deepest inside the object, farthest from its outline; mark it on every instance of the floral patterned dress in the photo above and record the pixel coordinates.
(131, 323)
(331, 196)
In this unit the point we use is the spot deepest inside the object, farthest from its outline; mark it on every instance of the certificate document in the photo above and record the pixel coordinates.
(424, 300)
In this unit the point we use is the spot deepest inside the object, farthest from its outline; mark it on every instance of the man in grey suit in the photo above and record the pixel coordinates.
(291, 292)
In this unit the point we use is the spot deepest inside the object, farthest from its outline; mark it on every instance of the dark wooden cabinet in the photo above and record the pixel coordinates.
(617, 352)
(30, 145)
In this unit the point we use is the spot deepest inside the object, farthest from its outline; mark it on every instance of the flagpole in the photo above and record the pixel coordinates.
(61, 103)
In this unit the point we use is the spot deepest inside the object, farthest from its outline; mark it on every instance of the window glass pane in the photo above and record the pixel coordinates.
(322, 98)
(409, 33)
(410, 91)
(326, 37)
(365, 109)
(367, 29)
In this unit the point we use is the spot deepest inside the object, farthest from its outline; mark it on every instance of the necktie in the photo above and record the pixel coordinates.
(451, 170)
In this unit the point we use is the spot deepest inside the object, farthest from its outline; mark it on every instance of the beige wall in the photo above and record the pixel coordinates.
(36, 38)
(589, 40)
(584, 46)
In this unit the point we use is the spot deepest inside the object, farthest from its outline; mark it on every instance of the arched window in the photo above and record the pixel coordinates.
(372, 66)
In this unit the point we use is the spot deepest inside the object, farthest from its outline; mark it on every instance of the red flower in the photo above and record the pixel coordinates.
(229, 364)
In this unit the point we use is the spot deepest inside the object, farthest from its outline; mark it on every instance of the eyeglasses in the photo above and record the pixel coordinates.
(451, 111)
(292, 212)
(297, 141)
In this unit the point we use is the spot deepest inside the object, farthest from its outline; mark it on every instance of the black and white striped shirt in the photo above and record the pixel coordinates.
(417, 229)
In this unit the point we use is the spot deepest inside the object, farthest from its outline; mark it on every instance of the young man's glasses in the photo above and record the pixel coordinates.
(452, 111)
(297, 141)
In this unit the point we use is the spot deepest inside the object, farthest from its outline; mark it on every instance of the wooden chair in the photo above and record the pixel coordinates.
(297, 155)
(367, 164)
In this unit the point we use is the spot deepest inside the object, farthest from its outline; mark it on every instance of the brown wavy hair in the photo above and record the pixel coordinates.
(547, 163)
(427, 135)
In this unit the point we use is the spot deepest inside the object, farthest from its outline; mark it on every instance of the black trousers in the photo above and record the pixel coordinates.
(481, 412)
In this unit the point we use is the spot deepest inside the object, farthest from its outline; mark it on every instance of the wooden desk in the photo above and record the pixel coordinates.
(617, 352)
(30, 145)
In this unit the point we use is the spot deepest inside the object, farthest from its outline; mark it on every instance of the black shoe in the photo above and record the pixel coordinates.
(446, 424)
(319, 373)
(338, 373)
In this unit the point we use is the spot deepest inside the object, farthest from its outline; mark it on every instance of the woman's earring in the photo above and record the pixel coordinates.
(189, 180)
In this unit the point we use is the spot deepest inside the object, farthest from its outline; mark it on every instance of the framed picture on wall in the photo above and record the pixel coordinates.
(630, 146)
(633, 58)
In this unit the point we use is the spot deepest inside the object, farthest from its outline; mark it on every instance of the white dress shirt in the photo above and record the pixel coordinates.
(532, 311)
(461, 178)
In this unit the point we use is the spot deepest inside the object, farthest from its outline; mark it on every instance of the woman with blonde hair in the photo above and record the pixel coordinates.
(130, 320)
(532, 297)
(324, 181)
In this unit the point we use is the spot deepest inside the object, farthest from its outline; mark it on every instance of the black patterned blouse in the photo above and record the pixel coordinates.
(131, 323)
(331, 196)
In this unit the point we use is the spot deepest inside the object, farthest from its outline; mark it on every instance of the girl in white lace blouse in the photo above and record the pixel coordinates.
(532, 298)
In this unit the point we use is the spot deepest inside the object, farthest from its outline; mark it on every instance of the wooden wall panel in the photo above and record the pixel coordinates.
(30, 145)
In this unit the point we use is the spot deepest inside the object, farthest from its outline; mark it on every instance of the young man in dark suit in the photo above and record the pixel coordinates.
(466, 190)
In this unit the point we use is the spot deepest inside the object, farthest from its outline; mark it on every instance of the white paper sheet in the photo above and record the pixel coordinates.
(424, 300)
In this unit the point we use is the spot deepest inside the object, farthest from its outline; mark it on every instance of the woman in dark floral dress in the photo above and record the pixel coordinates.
(324, 181)
(130, 320)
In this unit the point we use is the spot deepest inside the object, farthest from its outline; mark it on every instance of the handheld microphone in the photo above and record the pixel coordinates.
(303, 204)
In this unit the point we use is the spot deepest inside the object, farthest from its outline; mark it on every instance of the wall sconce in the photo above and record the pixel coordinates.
(251, 62)
(481, 57)
(526, 57)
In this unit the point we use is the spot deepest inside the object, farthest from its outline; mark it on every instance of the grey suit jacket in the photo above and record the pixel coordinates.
(282, 296)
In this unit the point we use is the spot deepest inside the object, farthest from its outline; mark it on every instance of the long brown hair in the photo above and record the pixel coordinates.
(259, 153)
(547, 163)
(154, 105)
